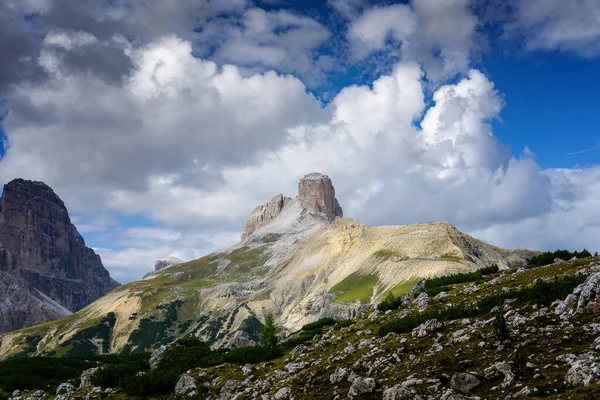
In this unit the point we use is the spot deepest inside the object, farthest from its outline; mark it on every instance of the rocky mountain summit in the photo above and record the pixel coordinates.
(46, 271)
(166, 262)
(315, 194)
(300, 260)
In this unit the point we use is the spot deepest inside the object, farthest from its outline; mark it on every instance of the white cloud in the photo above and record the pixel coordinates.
(441, 36)
(375, 27)
(555, 25)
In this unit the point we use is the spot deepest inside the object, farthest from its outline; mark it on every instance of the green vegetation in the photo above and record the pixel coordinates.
(268, 336)
(450, 257)
(83, 342)
(390, 255)
(541, 293)
(548, 257)
(355, 287)
(321, 323)
(309, 331)
(500, 327)
(460, 278)
(244, 260)
(49, 372)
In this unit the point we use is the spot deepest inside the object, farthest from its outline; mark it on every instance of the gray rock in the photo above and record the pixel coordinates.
(247, 369)
(422, 300)
(157, 356)
(185, 384)
(464, 382)
(426, 327)
(400, 392)
(361, 386)
(500, 369)
(299, 349)
(292, 368)
(339, 375)
(65, 387)
(86, 377)
(584, 371)
(283, 393)
(452, 395)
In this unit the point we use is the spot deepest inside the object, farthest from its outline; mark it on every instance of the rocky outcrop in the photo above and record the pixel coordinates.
(45, 257)
(265, 213)
(166, 262)
(316, 193)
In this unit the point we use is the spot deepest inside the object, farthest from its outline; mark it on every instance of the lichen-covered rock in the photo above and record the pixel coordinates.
(464, 382)
(361, 386)
(185, 384)
(292, 368)
(400, 392)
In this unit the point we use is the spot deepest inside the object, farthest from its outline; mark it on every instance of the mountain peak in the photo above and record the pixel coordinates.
(316, 194)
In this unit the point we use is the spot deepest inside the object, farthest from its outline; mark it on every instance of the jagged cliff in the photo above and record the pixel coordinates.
(302, 261)
(46, 271)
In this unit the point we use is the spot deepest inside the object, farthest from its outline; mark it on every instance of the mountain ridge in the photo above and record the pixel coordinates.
(301, 265)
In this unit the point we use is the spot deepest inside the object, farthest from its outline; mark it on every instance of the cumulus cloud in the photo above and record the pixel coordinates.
(556, 25)
(441, 36)
(167, 128)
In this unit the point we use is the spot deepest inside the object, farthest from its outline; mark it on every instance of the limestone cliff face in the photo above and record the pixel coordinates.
(316, 193)
(265, 213)
(40, 246)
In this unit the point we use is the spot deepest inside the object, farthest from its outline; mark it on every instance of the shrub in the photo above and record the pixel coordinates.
(390, 302)
(453, 279)
(500, 327)
(344, 323)
(490, 269)
(549, 256)
(541, 293)
(269, 332)
(437, 290)
(323, 322)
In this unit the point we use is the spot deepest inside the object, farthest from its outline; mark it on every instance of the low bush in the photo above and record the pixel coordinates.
(323, 322)
(540, 293)
(344, 323)
(489, 270)
(390, 302)
(549, 256)
(437, 290)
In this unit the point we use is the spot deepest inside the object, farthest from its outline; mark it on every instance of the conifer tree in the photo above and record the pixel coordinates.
(269, 332)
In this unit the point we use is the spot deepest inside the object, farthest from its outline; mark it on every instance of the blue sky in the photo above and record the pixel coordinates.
(163, 126)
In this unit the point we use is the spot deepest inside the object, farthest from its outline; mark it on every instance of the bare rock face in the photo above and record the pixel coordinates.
(40, 246)
(316, 193)
(265, 213)
(166, 262)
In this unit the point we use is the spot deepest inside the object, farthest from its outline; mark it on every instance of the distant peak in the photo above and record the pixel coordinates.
(315, 193)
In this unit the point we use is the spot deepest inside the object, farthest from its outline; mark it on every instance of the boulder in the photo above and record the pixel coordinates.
(64, 388)
(464, 382)
(185, 384)
(86, 378)
(283, 393)
(400, 392)
(157, 356)
(361, 386)
(339, 375)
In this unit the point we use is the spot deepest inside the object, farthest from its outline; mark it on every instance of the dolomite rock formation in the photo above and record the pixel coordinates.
(166, 262)
(315, 194)
(265, 213)
(47, 269)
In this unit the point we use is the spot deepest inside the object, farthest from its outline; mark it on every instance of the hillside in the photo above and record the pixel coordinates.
(303, 263)
(517, 333)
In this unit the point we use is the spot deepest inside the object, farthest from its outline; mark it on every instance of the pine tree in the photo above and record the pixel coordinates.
(269, 332)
